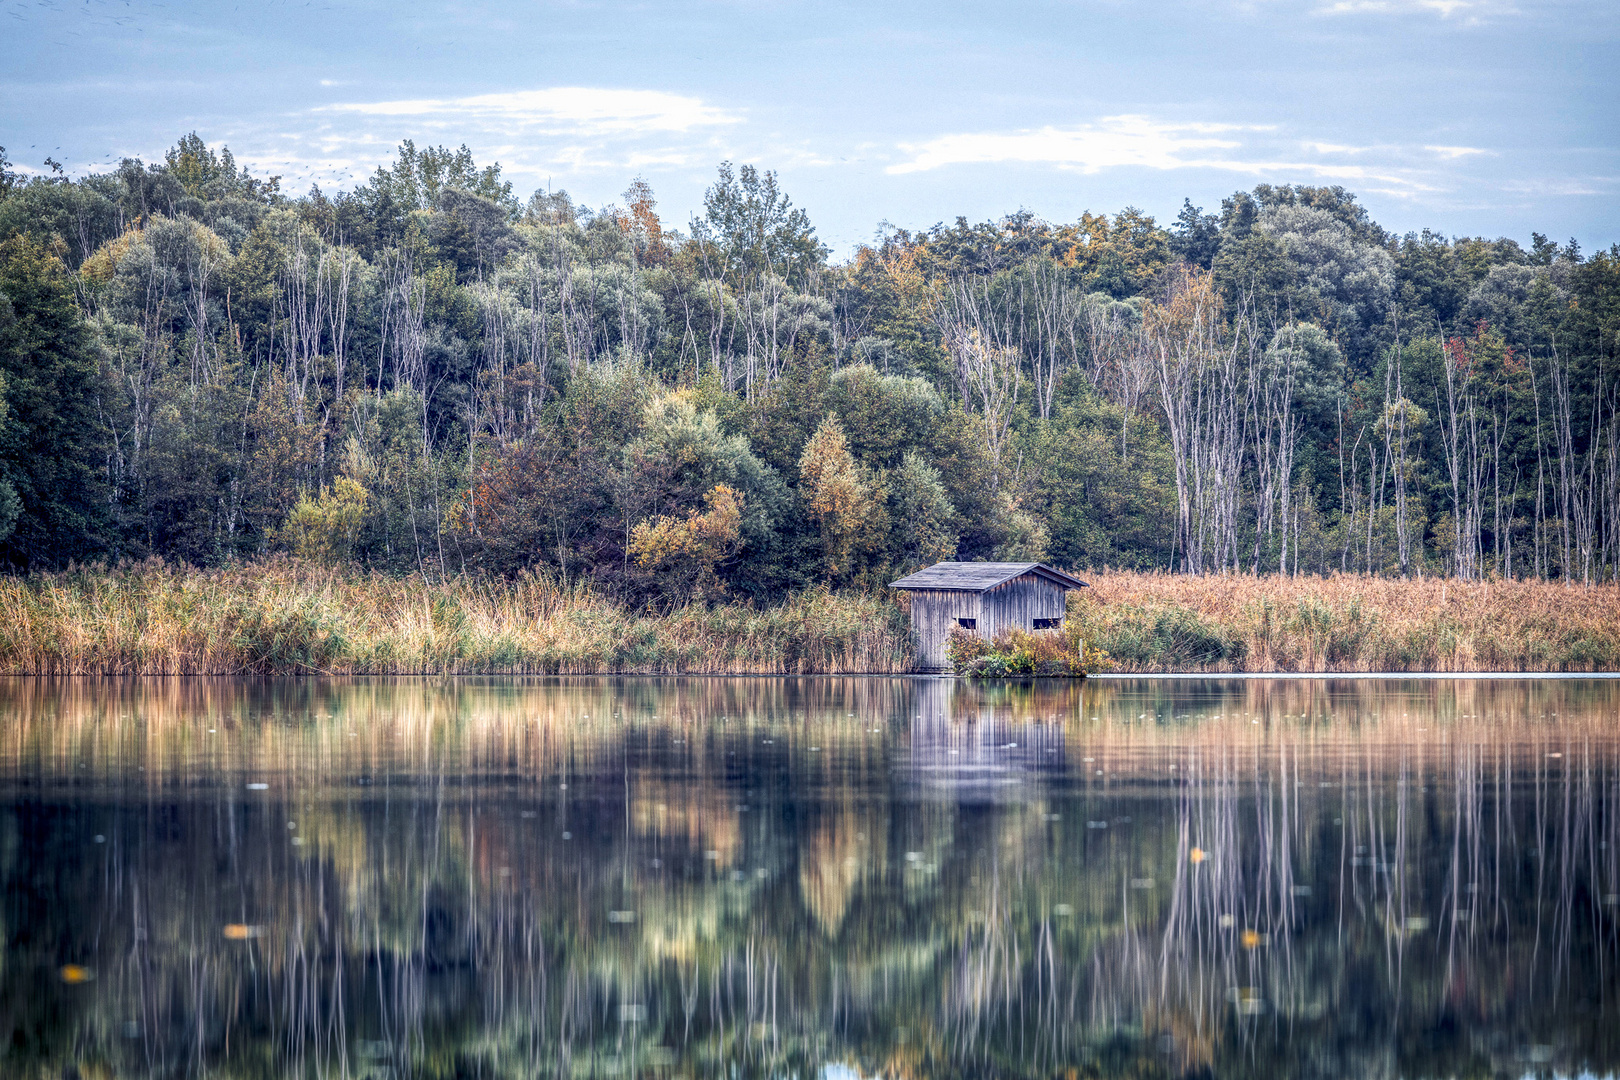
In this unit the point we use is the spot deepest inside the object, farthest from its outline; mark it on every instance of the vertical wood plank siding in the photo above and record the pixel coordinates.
(1016, 603)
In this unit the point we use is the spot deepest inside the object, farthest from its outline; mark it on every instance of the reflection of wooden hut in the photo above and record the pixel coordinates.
(984, 597)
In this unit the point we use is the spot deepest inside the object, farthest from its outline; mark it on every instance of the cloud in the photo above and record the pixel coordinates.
(581, 110)
(1563, 186)
(1451, 153)
(1111, 142)
(1142, 142)
(1467, 12)
(1334, 148)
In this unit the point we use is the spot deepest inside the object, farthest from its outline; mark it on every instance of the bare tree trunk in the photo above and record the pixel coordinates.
(1201, 393)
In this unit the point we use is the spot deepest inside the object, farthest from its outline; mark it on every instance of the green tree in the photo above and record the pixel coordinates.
(52, 442)
(750, 228)
(924, 520)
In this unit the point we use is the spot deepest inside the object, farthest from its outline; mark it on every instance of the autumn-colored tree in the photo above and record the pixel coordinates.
(323, 529)
(845, 501)
(646, 231)
(683, 553)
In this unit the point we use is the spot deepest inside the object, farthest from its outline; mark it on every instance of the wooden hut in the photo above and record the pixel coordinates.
(984, 597)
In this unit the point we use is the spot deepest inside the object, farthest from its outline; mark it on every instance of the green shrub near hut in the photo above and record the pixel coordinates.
(1013, 653)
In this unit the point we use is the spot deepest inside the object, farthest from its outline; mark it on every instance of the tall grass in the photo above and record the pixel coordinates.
(1346, 622)
(284, 617)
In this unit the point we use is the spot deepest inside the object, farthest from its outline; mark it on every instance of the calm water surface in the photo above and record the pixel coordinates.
(809, 878)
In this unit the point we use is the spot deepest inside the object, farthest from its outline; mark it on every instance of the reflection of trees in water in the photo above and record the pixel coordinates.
(1391, 878)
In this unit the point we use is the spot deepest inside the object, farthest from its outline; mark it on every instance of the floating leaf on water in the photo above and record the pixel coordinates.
(1227, 922)
(242, 931)
(74, 974)
(1251, 939)
(258, 787)
(1196, 855)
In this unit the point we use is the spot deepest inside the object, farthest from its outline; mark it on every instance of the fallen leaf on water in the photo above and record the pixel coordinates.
(1250, 939)
(242, 932)
(1196, 855)
(73, 974)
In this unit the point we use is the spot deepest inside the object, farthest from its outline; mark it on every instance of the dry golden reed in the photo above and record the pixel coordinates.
(279, 616)
(1347, 622)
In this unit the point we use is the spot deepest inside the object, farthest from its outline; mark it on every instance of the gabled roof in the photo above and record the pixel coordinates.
(980, 576)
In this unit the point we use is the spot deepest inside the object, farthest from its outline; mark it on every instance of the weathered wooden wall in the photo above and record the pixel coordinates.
(1016, 603)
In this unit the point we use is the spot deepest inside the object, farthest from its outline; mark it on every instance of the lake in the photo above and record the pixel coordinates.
(814, 877)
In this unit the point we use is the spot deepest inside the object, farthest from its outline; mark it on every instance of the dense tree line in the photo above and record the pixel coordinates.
(428, 373)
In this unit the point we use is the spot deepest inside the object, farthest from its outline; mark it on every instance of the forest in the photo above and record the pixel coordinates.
(431, 375)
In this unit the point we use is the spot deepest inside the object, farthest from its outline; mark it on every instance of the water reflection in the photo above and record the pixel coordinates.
(765, 877)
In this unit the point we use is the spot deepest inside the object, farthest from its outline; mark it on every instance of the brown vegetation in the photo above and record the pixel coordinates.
(288, 617)
(284, 616)
(1346, 622)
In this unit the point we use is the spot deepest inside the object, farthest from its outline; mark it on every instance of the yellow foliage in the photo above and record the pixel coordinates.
(103, 262)
(323, 529)
(845, 500)
(687, 550)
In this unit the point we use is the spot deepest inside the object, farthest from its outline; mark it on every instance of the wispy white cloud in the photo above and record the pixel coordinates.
(573, 109)
(1327, 148)
(1460, 12)
(1451, 153)
(1134, 141)
(534, 133)
(1443, 8)
(1111, 142)
(1563, 186)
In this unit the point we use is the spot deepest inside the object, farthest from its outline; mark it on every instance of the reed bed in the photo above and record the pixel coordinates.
(281, 617)
(1347, 622)
(284, 617)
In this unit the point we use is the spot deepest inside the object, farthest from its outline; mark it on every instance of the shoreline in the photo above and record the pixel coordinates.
(281, 617)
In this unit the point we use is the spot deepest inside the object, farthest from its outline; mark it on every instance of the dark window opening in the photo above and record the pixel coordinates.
(1048, 624)
(968, 624)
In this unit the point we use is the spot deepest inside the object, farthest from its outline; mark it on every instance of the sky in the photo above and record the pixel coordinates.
(1469, 117)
